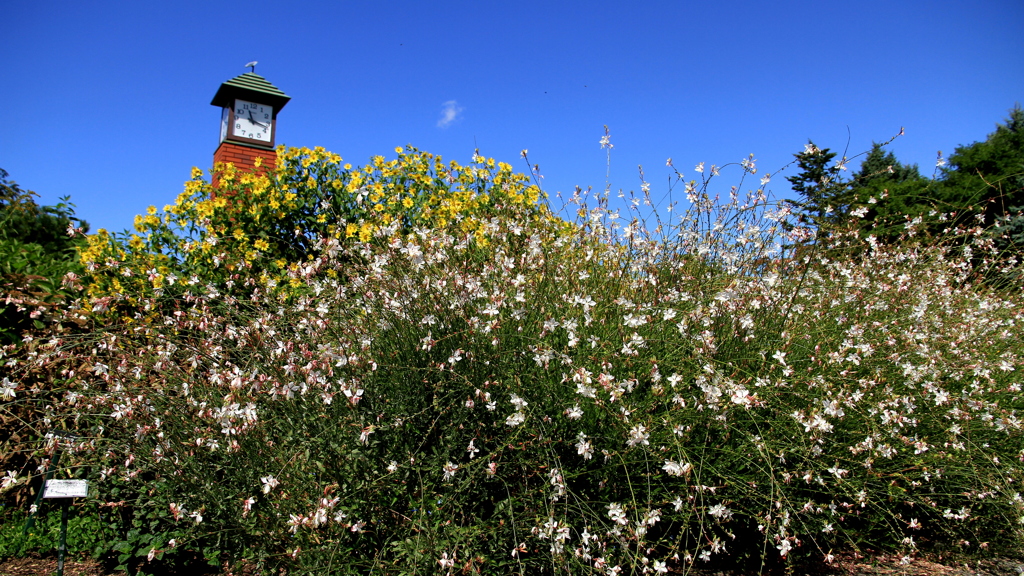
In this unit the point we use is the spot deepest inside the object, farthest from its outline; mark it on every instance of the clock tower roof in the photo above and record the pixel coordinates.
(253, 87)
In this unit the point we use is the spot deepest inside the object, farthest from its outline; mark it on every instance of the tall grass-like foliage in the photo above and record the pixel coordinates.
(529, 397)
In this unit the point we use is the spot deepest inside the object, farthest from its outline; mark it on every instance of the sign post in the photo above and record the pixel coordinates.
(65, 490)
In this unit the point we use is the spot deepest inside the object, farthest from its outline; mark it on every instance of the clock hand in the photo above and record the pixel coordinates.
(254, 121)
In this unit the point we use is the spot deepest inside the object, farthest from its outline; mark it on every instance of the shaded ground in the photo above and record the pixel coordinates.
(876, 566)
(47, 566)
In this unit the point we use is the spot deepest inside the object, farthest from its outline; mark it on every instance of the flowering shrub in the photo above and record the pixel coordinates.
(264, 229)
(519, 396)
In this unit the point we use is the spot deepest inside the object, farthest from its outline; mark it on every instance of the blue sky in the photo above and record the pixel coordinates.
(109, 102)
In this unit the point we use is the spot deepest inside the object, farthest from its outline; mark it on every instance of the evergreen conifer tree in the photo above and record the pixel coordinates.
(825, 197)
(989, 176)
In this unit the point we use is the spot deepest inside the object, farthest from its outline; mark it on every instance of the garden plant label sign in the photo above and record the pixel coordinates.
(66, 489)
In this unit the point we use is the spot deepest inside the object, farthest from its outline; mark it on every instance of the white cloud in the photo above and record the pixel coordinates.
(449, 113)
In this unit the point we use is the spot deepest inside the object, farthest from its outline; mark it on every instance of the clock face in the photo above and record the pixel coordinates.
(253, 121)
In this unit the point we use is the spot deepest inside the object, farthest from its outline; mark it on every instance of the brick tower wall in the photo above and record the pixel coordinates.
(243, 157)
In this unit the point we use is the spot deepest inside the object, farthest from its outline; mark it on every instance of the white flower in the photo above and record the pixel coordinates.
(269, 483)
(583, 447)
(638, 435)
(720, 511)
(449, 471)
(616, 513)
(652, 517)
(515, 419)
(247, 506)
(7, 389)
(574, 413)
(634, 321)
(699, 167)
(9, 480)
(518, 402)
(586, 391)
(741, 396)
(860, 212)
(673, 468)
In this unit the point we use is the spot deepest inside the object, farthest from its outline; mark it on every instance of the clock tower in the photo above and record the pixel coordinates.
(248, 123)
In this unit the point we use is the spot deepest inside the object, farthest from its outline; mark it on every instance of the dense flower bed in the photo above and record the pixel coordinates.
(504, 392)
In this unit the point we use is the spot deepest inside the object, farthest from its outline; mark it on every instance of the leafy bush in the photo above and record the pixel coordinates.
(525, 396)
(88, 531)
(37, 249)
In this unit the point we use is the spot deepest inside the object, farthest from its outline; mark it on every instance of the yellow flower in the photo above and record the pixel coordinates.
(407, 202)
(151, 210)
(398, 149)
(365, 232)
(196, 172)
(261, 244)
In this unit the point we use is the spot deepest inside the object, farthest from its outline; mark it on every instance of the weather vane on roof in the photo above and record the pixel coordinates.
(252, 66)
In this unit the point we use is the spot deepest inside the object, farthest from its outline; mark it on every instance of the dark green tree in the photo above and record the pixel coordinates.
(824, 196)
(886, 193)
(989, 176)
(36, 251)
